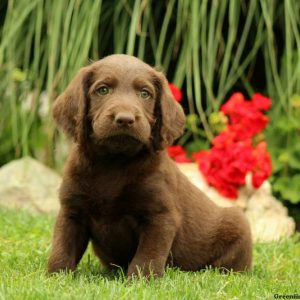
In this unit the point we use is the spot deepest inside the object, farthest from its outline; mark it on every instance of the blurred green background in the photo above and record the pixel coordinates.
(207, 48)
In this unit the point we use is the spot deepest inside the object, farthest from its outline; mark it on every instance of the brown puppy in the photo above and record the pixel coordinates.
(121, 190)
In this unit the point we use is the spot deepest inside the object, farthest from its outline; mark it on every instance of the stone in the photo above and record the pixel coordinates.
(27, 183)
(267, 216)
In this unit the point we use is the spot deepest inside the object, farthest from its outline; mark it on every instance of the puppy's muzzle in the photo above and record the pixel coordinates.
(124, 119)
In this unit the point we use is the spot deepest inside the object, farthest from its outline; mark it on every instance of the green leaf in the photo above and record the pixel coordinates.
(217, 121)
(18, 75)
(286, 125)
(196, 146)
(288, 188)
(294, 162)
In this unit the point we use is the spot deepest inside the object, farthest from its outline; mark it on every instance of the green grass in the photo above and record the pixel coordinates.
(25, 244)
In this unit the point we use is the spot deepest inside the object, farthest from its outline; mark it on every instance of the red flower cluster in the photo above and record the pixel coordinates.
(232, 154)
(176, 92)
(178, 153)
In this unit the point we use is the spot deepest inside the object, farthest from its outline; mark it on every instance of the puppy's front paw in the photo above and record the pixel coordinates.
(146, 271)
(56, 266)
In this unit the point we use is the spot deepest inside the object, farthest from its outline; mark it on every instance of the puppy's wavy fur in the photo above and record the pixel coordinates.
(120, 189)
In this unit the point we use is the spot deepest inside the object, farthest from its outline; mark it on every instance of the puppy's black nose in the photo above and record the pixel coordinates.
(123, 119)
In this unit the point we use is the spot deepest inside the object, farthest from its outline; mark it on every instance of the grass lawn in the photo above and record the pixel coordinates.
(25, 244)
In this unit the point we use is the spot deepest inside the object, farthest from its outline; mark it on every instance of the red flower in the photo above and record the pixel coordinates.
(228, 191)
(261, 102)
(248, 127)
(178, 153)
(263, 165)
(226, 168)
(224, 138)
(245, 118)
(229, 106)
(232, 155)
(198, 156)
(176, 92)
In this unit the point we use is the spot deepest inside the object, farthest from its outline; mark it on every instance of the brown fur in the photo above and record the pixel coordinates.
(120, 189)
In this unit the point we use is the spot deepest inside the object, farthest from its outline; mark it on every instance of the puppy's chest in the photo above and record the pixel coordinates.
(106, 186)
(115, 204)
(112, 195)
(113, 228)
(116, 192)
(113, 222)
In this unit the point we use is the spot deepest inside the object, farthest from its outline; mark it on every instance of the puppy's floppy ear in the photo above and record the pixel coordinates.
(170, 118)
(70, 108)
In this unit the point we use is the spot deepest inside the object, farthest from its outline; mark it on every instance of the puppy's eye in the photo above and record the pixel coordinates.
(145, 94)
(102, 90)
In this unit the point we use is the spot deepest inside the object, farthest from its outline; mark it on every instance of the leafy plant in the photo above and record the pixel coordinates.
(284, 146)
(43, 43)
(207, 48)
(282, 71)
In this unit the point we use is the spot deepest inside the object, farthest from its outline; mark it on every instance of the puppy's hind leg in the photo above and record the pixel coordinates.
(235, 241)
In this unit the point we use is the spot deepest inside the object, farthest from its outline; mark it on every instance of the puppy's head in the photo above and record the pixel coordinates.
(119, 105)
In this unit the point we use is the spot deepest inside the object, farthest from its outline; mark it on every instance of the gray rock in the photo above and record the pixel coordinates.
(26, 183)
(267, 216)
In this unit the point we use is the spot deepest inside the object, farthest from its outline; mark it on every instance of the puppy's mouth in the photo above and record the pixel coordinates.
(121, 144)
